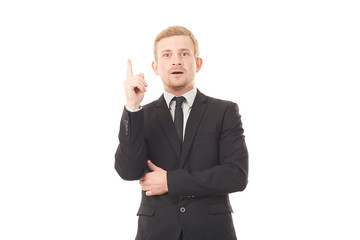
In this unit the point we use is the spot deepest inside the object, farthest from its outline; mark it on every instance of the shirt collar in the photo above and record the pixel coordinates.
(189, 96)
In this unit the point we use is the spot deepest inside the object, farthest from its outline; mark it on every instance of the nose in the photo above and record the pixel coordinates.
(176, 61)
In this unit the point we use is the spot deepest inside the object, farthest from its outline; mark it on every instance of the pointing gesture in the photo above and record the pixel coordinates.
(129, 69)
(135, 87)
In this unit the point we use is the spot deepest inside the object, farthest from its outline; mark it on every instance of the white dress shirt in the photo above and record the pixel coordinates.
(186, 106)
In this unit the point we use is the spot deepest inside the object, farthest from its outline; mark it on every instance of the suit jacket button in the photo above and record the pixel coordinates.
(182, 209)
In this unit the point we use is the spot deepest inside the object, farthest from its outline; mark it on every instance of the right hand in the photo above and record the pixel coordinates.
(135, 88)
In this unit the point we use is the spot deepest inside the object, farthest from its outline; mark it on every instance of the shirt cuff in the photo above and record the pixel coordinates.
(133, 110)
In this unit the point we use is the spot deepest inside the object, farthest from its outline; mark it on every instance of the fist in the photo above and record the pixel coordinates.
(135, 88)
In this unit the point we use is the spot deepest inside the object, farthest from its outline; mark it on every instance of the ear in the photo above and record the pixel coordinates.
(155, 67)
(199, 63)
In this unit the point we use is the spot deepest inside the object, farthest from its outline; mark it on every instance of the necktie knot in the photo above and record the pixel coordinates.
(179, 100)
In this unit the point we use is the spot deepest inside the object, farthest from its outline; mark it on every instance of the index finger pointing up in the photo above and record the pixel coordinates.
(129, 69)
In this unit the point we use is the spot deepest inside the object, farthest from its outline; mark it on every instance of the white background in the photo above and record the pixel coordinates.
(292, 66)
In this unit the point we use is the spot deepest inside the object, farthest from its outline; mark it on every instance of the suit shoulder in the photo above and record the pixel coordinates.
(149, 105)
(220, 102)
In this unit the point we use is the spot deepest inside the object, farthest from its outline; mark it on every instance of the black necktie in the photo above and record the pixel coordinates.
(179, 117)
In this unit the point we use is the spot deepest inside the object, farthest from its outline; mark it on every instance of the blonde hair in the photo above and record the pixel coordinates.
(174, 31)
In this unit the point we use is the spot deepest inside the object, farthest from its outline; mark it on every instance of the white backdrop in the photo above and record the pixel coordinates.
(292, 66)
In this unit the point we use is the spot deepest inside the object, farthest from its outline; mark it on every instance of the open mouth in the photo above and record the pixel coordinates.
(177, 72)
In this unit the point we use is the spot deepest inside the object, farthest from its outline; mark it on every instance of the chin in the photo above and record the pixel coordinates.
(182, 87)
(178, 85)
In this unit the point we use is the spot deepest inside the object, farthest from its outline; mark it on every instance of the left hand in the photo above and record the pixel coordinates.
(155, 182)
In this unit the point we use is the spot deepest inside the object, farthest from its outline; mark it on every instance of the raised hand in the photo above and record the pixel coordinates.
(135, 88)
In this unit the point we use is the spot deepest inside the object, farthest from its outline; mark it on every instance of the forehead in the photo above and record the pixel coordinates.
(175, 43)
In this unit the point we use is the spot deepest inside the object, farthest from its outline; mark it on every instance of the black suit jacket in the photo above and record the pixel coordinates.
(212, 162)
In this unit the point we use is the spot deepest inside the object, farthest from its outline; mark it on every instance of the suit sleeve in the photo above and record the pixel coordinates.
(130, 156)
(230, 175)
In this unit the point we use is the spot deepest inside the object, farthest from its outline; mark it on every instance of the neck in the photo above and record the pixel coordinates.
(179, 92)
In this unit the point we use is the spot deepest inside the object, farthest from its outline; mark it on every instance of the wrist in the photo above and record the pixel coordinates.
(132, 108)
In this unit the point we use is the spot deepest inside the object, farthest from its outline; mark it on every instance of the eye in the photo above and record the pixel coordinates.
(184, 54)
(166, 55)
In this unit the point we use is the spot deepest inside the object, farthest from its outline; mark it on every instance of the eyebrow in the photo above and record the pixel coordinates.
(168, 50)
(180, 50)
(184, 49)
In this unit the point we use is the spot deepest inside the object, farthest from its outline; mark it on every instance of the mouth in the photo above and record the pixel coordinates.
(177, 72)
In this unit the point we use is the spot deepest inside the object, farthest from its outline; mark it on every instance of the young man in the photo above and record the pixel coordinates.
(187, 149)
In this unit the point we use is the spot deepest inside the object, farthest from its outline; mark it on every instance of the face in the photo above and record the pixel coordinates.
(176, 64)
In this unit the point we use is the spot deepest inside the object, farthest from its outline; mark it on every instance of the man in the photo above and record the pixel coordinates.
(187, 149)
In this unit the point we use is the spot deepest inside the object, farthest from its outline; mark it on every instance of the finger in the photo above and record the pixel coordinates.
(141, 75)
(152, 166)
(139, 86)
(148, 193)
(135, 83)
(136, 79)
(129, 69)
(142, 78)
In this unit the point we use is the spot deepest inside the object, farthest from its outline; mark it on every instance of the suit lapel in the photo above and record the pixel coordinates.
(196, 114)
(167, 124)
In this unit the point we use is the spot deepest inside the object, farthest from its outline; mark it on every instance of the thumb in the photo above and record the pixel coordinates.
(152, 166)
